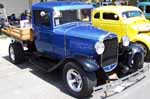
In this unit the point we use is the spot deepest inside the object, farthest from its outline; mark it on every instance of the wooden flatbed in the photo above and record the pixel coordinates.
(24, 34)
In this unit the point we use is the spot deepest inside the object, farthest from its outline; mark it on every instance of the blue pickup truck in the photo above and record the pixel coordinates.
(62, 37)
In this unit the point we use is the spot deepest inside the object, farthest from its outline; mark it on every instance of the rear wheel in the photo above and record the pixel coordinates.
(16, 53)
(78, 82)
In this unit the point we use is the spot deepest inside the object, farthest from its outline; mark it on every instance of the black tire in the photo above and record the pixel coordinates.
(18, 53)
(138, 61)
(89, 81)
(147, 56)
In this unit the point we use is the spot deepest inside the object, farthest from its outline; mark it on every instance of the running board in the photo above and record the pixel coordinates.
(43, 64)
(121, 84)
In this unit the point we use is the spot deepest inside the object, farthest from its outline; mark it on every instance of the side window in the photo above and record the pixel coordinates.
(110, 16)
(147, 9)
(41, 18)
(97, 15)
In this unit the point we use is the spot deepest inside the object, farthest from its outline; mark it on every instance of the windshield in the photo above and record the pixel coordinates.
(130, 14)
(62, 17)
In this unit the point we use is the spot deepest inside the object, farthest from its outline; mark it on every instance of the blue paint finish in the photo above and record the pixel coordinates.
(110, 68)
(80, 38)
(87, 63)
(62, 5)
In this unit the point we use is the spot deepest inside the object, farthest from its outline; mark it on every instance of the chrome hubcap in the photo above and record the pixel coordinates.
(74, 80)
(12, 55)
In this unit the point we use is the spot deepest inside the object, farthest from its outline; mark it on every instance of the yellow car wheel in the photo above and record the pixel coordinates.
(146, 51)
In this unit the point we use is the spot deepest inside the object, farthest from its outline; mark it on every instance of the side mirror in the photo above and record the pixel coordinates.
(1, 6)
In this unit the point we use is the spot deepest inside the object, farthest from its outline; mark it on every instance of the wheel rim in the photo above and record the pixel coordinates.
(74, 80)
(12, 54)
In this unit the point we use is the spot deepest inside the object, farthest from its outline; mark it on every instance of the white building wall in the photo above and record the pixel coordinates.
(15, 6)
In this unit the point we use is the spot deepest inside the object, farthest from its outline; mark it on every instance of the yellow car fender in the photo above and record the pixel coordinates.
(142, 38)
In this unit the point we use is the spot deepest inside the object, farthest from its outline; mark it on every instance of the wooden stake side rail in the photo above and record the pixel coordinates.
(24, 34)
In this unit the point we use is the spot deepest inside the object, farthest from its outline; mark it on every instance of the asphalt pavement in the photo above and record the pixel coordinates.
(25, 81)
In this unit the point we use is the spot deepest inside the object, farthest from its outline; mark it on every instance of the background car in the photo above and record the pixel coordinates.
(145, 7)
(124, 21)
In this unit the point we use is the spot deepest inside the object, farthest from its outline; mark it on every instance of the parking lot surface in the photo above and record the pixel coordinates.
(25, 81)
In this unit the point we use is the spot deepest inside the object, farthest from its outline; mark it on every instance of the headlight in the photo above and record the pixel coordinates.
(125, 41)
(99, 47)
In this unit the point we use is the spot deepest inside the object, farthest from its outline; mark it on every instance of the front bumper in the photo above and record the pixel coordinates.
(116, 86)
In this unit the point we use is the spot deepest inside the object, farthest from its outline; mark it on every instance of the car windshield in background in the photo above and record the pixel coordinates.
(62, 17)
(130, 14)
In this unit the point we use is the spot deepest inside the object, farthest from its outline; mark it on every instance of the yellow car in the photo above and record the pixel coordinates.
(124, 21)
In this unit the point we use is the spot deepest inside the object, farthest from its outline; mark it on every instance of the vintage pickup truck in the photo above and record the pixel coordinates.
(60, 39)
(124, 21)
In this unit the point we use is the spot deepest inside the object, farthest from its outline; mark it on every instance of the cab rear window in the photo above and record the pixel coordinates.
(41, 20)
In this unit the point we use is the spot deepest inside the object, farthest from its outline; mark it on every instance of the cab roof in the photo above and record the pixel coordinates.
(143, 3)
(61, 5)
(118, 9)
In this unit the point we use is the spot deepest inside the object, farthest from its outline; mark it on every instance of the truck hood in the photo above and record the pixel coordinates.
(83, 30)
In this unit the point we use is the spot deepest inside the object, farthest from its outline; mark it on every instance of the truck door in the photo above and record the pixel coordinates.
(42, 29)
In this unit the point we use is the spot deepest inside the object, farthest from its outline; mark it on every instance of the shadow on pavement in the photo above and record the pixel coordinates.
(54, 78)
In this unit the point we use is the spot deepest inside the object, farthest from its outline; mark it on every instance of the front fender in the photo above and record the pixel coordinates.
(87, 64)
(91, 65)
(143, 38)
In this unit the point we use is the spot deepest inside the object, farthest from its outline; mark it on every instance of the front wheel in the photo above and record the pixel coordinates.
(78, 82)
